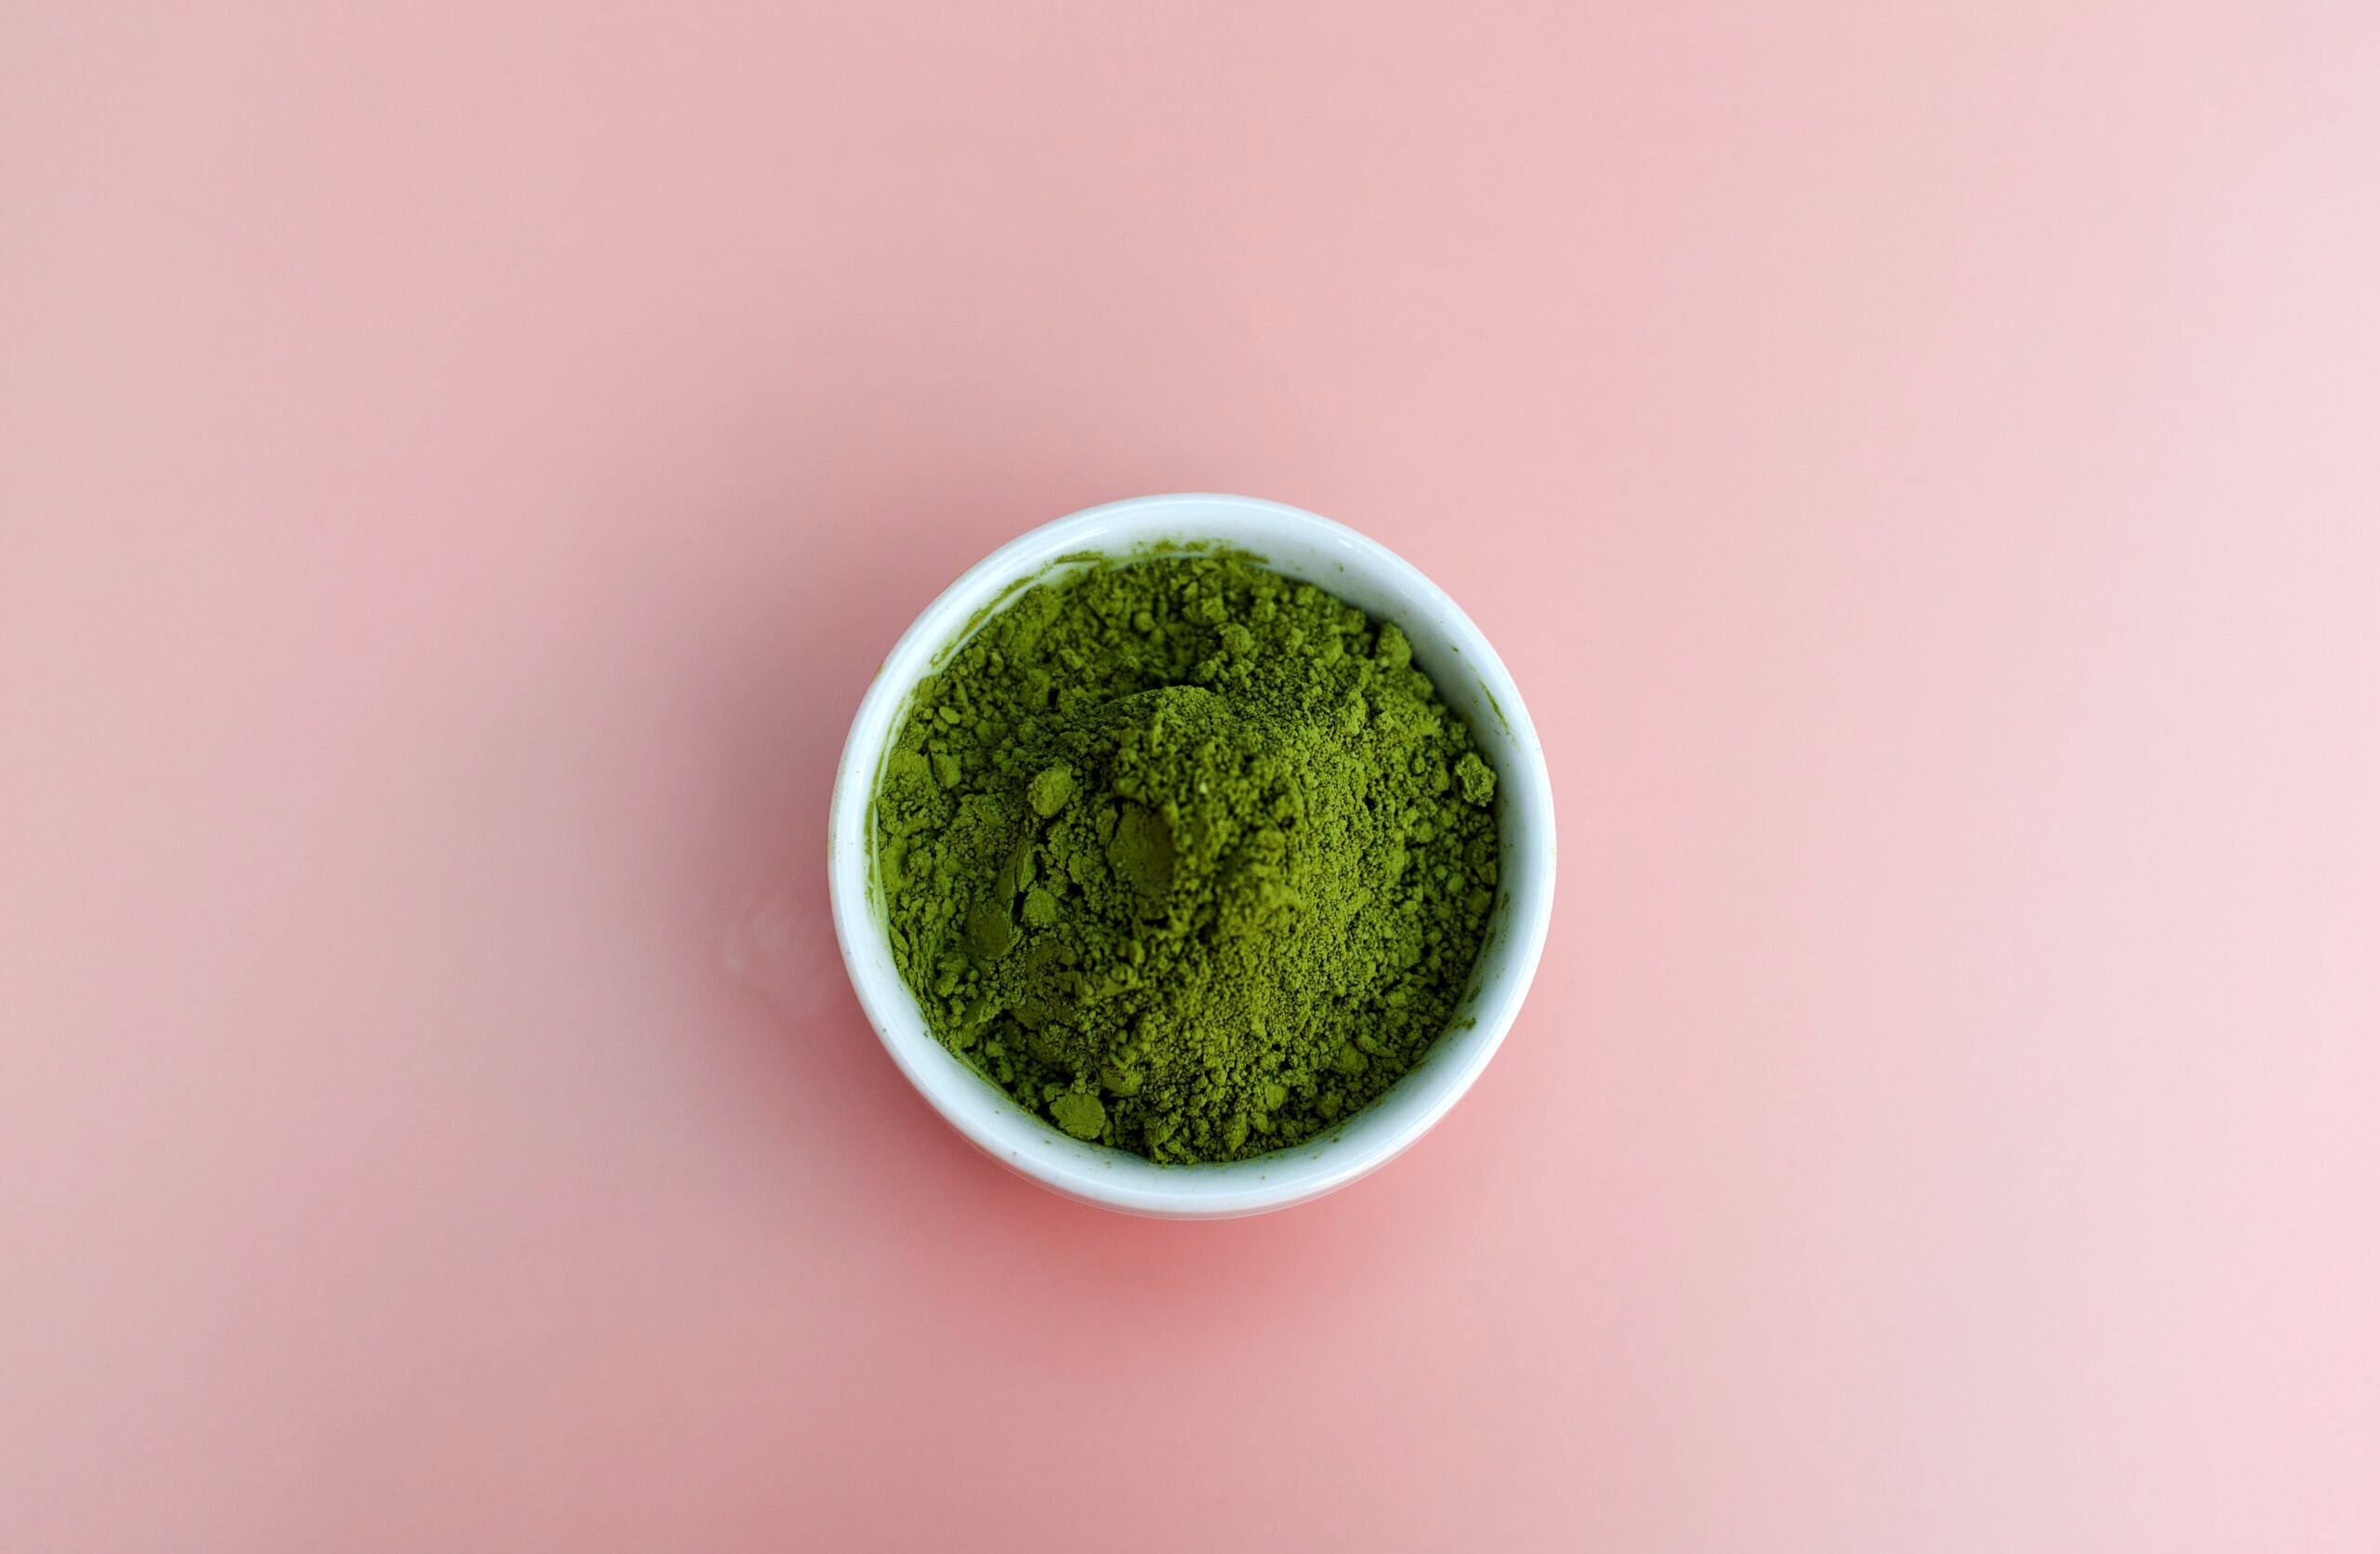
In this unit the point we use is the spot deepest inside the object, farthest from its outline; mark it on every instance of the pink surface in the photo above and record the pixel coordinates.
(459, 465)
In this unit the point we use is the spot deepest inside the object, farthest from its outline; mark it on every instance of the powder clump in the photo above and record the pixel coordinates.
(1187, 857)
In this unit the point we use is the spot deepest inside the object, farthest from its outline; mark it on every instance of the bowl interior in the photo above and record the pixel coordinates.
(1469, 678)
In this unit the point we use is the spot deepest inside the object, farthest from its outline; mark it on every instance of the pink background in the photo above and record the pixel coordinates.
(459, 463)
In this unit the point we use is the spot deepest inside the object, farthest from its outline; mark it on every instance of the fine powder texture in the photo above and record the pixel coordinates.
(1185, 855)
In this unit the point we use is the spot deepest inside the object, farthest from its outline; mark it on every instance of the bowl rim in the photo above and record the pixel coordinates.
(1014, 1137)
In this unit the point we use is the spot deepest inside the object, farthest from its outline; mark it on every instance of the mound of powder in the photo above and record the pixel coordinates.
(1187, 857)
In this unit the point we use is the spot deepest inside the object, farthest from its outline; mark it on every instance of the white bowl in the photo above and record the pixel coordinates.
(1470, 679)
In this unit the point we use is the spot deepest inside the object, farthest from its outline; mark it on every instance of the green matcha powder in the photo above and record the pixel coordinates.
(1187, 857)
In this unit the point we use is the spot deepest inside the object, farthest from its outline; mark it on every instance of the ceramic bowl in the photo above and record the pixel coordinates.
(1470, 679)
